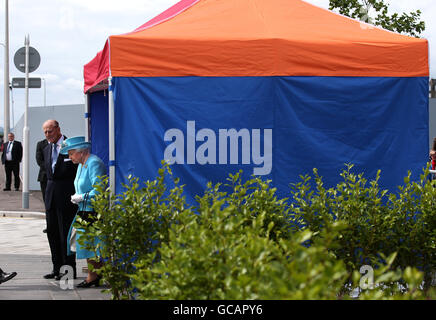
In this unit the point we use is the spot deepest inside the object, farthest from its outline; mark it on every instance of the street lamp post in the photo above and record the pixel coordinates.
(6, 73)
(11, 96)
(26, 130)
(8, 85)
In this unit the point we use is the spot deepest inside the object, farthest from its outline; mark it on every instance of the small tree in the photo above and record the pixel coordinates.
(406, 23)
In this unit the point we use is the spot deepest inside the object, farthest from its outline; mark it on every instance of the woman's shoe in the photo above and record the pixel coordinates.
(85, 284)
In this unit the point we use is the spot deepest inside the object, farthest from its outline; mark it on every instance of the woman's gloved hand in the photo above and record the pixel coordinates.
(76, 198)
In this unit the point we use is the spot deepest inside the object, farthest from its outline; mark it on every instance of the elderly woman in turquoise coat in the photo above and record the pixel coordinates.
(89, 171)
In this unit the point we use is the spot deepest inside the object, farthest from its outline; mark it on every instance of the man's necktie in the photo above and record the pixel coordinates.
(54, 156)
(9, 147)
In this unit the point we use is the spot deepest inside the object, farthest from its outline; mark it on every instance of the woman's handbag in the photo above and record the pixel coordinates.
(87, 216)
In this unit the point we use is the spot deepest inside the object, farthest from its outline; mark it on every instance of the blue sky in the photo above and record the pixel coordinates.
(68, 34)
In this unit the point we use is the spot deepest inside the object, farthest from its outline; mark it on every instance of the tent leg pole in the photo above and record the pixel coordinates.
(87, 117)
(111, 139)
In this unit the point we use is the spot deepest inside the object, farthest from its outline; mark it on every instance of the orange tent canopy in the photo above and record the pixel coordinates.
(222, 38)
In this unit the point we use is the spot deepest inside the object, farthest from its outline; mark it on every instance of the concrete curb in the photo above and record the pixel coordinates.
(23, 214)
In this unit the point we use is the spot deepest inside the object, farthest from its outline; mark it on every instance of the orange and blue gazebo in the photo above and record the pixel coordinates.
(275, 88)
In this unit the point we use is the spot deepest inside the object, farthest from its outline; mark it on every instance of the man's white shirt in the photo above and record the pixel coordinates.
(9, 151)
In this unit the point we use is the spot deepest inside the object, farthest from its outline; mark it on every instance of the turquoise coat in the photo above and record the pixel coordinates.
(86, 177)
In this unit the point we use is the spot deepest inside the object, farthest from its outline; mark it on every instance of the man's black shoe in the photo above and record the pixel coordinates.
(6, 189)
(51, 275)
(17, 189)
(6, 276)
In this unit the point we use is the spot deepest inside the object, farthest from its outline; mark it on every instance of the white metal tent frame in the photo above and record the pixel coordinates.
(111, 128)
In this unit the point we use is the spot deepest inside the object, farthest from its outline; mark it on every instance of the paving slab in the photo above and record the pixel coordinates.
(29, 283)
(24, 249)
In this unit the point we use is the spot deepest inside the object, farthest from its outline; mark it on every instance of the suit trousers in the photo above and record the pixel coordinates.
(43, 185)
(59, 220)
(12, 167)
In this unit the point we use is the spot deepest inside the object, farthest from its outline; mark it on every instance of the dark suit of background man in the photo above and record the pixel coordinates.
(11, 158)
(39, 155)
(42, 176)
(60, 212)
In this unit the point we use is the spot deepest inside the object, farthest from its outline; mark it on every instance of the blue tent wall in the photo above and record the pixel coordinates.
(322, 122)
(99, 125)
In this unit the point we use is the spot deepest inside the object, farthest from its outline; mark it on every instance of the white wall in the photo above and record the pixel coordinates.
(71, 120)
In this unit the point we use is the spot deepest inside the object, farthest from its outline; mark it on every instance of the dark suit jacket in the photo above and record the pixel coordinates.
(60, 184)
(39, 155)
(17, 151)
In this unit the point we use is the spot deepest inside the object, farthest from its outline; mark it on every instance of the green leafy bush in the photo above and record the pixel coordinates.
(238, 246)
(242, 242)
(376, 223)
(132, 225)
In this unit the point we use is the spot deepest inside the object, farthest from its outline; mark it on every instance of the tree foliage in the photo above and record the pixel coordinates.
(406, 23)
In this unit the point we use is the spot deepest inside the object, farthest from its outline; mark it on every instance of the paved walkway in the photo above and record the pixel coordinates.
(24, 249)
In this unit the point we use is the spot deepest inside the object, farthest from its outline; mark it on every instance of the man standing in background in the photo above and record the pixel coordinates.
(11, 158)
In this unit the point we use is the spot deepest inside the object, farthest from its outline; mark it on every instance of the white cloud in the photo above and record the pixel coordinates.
(50, 77)
(67, 19)
(74, 84)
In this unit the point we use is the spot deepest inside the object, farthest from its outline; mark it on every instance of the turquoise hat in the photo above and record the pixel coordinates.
(74, 143)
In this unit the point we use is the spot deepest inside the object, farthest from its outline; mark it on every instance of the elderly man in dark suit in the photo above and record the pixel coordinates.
(60, 212)
(11, 158)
